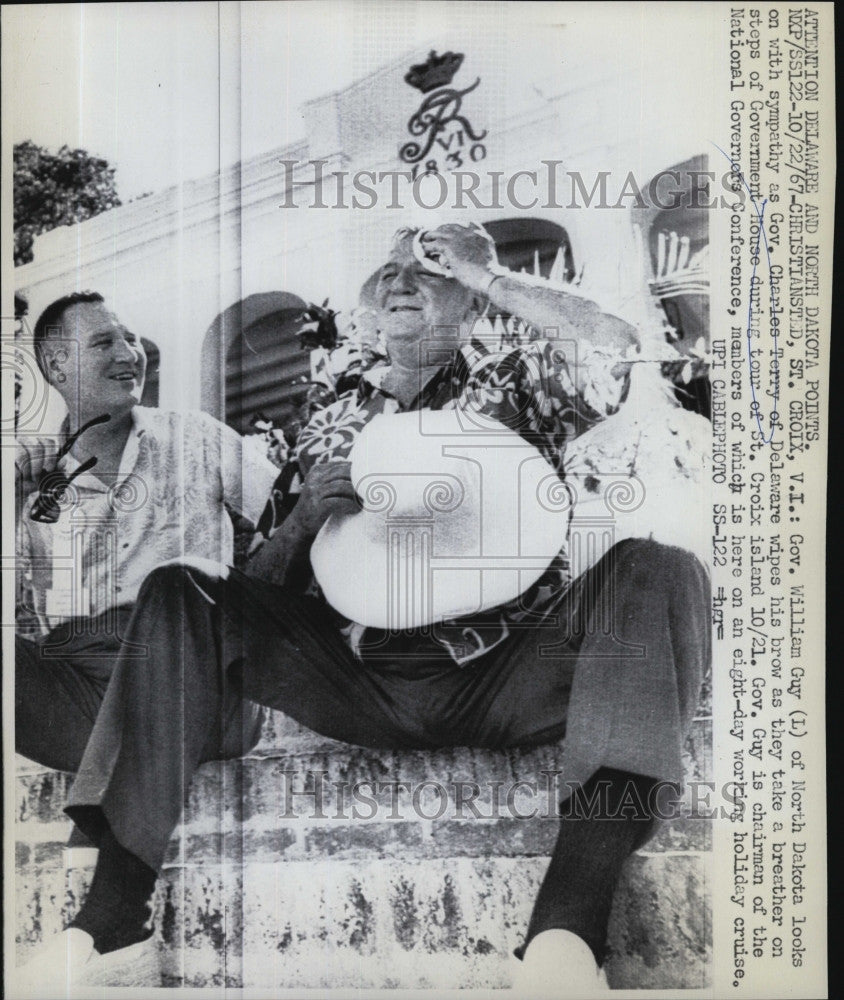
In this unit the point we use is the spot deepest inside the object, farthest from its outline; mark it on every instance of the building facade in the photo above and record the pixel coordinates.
(213, 273)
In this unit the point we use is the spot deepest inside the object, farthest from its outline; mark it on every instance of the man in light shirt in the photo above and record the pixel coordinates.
(158, 491)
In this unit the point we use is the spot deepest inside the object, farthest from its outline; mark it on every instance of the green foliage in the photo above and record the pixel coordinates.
(57, 189)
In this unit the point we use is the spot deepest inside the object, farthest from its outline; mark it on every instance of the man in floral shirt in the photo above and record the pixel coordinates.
(549, 392)
(531, 390)
(622, 697)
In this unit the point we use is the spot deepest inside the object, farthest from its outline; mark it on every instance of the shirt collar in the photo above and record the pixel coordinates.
(370, 381)
(140, 425)
(457, 370)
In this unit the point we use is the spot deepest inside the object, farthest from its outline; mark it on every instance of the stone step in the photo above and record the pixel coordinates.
(428, 885)
(389, 923)
(280, 785)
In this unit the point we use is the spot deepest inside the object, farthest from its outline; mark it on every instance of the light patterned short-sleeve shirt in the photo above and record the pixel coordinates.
(178, 474)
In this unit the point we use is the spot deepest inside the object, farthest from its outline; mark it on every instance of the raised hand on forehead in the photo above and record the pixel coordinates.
(466, 252)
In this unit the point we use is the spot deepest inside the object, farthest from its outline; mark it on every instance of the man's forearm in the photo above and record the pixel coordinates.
(566, 313)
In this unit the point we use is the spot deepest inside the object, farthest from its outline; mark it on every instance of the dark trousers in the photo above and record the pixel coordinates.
(618, 673)
(61, 680)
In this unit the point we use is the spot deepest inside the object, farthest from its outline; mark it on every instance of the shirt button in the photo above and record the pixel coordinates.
(118, 589)
(125, 545)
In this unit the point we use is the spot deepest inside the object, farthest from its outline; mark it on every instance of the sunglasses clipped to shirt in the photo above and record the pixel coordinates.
(53, 485)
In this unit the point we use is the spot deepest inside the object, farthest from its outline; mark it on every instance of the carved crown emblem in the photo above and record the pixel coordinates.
(436, 72)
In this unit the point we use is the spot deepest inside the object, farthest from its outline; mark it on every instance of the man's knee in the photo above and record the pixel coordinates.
(649, 565)
(191, 577)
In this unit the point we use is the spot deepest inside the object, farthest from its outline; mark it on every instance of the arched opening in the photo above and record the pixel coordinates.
(266, 372)
(534, 245)
(252, 367)
(251, 360)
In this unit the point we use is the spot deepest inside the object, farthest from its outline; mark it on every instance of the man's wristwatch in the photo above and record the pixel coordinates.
(493, 276)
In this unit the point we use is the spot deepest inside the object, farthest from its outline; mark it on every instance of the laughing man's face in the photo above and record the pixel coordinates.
(103, 363)
(414, 304)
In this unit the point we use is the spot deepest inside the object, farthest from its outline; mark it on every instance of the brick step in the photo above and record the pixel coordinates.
(278, 785)
(389, 923)
(416, 880)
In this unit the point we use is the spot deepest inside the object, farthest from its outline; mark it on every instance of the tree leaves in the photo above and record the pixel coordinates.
(57, 189)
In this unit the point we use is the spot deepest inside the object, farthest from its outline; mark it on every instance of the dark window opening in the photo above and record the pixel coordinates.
(150, 396)
(266, 372)
(535, 246)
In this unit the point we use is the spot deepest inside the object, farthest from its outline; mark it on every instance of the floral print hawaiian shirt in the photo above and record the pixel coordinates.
(548, 391)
